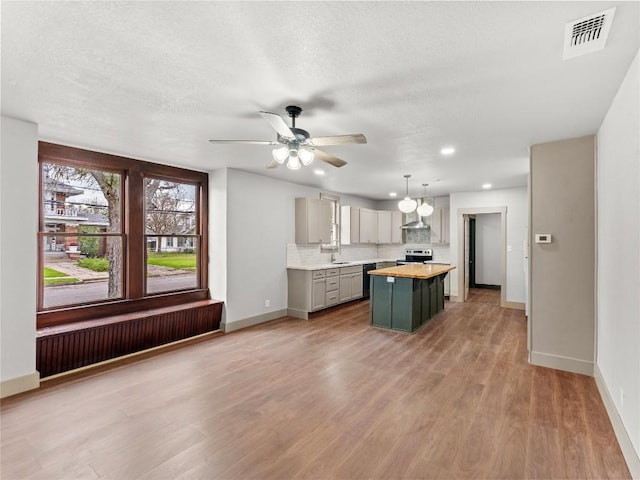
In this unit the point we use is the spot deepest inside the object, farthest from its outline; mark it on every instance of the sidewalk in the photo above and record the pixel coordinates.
(63, 264)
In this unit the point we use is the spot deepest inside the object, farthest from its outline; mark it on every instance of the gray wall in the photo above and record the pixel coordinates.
(563, 272)
(488, 249)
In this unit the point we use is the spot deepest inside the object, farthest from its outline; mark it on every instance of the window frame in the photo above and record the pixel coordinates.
(133, 233)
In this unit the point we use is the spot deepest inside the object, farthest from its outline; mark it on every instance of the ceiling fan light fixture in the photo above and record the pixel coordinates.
(280, 154)
(306, 156)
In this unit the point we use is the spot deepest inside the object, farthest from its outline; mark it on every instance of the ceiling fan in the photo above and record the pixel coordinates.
(296, 146)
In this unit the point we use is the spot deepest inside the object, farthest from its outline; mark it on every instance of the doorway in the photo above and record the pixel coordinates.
(465, 247)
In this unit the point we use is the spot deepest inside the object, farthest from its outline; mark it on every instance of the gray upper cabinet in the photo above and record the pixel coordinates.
(313, 220)
(389, 223)
(440, 225)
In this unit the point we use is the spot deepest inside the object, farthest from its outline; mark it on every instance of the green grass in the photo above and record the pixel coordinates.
(97, 264)
(183, 261)
(50, 272)
(59, 281)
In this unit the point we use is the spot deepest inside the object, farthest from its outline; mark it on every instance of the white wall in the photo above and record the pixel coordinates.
(260, 221)
(618, 246)
(488, 249)
(515, 199)
(18, 249)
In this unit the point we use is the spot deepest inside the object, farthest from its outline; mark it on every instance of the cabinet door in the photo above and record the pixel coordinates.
(313, 220)
(313, 212)
(396, 223)
(368, 226)
(355, 225)
(345, 287)
(436, 226)
(384, 226)
(318, 297)
(356, 285)
(444, 225)
(324, 221)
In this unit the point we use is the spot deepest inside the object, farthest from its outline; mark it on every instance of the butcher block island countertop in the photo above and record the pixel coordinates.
(421, 271)
(406, 297)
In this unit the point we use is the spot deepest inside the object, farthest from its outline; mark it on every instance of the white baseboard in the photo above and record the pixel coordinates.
(516, 305)
(561, 363)
(251, 321)
(628, 451)
(17, 385)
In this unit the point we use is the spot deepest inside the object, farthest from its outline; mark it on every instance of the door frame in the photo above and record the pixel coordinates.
(502, 210)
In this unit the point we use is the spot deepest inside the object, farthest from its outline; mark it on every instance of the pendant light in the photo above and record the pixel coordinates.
(425, 209)
(407, 205)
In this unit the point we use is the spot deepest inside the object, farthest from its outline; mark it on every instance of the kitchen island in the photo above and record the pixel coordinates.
(406, 297)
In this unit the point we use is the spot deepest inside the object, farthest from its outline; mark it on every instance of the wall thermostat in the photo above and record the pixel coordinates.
(543, 238)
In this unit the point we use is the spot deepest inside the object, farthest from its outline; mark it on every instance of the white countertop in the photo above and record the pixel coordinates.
(350, 263)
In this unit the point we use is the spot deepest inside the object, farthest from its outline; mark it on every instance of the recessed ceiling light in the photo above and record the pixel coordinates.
(486, 185)
(393, 194)
(447, 150)
(318, 172)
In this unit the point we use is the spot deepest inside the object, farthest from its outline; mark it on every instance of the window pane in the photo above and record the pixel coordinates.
(170, 208)
(172, 263)
(80, 269)
(74, 197)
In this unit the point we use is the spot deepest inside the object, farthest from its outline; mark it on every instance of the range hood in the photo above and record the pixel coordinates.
(414, 224)
(414, 221)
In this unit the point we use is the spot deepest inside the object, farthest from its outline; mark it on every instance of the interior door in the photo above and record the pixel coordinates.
(466, 257)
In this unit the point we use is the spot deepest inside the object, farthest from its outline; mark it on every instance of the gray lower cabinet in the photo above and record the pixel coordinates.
(350, 283)
(313, 290)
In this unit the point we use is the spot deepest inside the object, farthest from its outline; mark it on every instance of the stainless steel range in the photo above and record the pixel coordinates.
(416, 255)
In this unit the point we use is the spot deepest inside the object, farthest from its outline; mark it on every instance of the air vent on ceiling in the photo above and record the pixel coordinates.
(587, 34)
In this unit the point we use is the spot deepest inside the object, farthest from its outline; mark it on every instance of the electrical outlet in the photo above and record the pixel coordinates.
(267, 303)
(621, 399)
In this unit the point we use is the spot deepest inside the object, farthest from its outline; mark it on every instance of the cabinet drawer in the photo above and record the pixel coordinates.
(317, 274)
(332, 298)
(332, 272)
(350, 270)
(333, 283)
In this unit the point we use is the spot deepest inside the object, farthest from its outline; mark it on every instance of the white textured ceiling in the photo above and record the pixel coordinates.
(156, 80)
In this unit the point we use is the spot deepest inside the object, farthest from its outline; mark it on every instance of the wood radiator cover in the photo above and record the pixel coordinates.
(91, 342)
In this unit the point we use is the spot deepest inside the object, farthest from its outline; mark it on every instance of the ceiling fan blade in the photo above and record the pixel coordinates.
(330, 159)
(278, 124)
(247, 142)
(272, 164)
(338, 140)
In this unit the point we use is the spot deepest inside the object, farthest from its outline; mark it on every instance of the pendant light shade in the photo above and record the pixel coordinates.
(424, 210)
(407, 205)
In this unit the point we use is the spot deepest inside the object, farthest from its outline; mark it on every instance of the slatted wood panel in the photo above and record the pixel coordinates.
(63, 349)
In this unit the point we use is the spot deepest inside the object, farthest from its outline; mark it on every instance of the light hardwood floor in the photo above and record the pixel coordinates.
(330, 397)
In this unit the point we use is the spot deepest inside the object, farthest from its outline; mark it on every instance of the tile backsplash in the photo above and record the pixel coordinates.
(306, 255)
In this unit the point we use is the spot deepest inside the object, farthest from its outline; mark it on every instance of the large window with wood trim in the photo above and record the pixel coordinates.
(117, 234)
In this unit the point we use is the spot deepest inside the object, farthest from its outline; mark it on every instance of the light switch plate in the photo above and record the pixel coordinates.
(543, 238)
